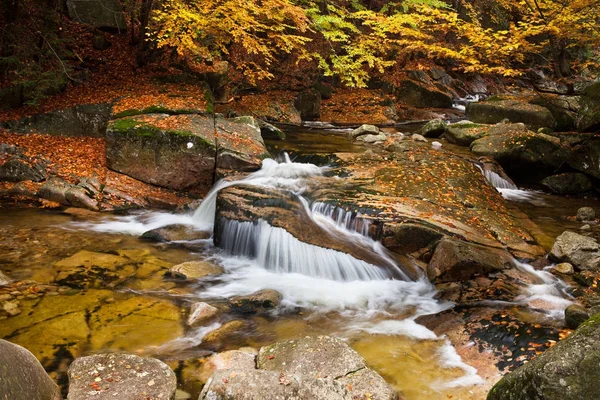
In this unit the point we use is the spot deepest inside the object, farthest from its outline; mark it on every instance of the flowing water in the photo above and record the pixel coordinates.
(374, 307)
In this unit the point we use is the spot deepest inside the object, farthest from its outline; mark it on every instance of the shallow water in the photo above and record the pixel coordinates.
(132, 307)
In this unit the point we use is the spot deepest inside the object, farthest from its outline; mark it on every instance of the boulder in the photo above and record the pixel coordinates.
(564, 268)
(82, 120)
(55, 190)
(372, 138)
(224, 331)
(586, 158)
(120, 376)
(308, 103)
(364, 129)
(194, 270)
(567, 371)
(269, 131)
(582, 252)
(434, 128)
(261, 300)
(495, 110)
(100, 42)
(21, 168)
(104, 14)
(232, 359)
(455, 260)
(419, 95)
(78, 197)
(586, 214)
(22, 377)
(201, 312)
(567, 183)
(563, 109)
(575, 315)
(182, 152)
(588, 115)
(175, 232)
(418, 138)
(526, 155)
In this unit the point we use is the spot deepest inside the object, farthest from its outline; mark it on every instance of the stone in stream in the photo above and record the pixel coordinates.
(194, 270)
(582, 252)
(226, 330)
(372, 138)
(586, 214)
(564, 268)
(232, 359)
(4, 280)
(364, 129)
(120, 376)
(463, 133)
(22, 377)
(201, 312)
(567, 371)
(175, 232)
(575, 315)
(261, 300)
(434, 128)
(455, 260)
(418, 138)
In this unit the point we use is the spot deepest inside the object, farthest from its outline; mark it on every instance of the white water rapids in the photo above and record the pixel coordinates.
(258, 256)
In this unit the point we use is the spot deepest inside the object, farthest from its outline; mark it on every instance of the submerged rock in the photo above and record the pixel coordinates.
(261, 300)
(224, 331)
(194, 270)
(567, 371)
(455, 260)
(22, 377)
(567, 183)
(122, 376)
(582, 252)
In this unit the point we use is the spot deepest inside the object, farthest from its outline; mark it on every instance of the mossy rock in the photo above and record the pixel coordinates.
(492, 112)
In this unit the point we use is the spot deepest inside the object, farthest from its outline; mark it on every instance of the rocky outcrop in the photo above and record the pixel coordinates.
(567, 371)
(19, 167)
(525, 155)
(22, 377)
(582, 252)
(495, 110)
(567, 183)
(81, 120)
(182, 152)
(67, 194)
(455, 260)
(261, 300)
(588, 115)
(419, 95)
(105, 14)
(312, 367)
(122, 376)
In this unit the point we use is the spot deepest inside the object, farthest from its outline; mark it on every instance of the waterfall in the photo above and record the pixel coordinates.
(352, 221)
(278, 251)
(497, 181)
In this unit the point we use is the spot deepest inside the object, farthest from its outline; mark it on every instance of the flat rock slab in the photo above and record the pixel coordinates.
(311, 356)
(120, 376)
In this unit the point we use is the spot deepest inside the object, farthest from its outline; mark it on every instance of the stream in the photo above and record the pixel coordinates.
(324, 291)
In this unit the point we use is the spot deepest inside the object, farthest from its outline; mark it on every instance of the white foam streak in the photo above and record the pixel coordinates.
(526, 196)
(497, 181)
(192, 339)
(449, 358)
(137, 224)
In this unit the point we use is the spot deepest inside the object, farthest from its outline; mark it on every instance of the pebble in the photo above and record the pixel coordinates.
(52, 293)
(32, 296)
(16, 293)
(5, 297)
(14, 312)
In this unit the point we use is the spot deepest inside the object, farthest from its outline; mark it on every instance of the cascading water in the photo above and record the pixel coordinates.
(509, 190)
(352, 221)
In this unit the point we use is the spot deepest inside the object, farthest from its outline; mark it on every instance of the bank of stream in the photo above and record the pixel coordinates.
(89, 284)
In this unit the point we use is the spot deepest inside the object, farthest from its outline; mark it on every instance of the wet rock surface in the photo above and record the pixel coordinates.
(582, 252)
(22, 377)
(261, 300)
(567, 183)
(122, 376)
(569, 370)
(497, 109)
(193, 270)
(172, 233)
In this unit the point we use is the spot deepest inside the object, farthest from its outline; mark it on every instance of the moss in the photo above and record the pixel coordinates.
(495, 98)
(466, 126)
(209, 100)
(124, 124)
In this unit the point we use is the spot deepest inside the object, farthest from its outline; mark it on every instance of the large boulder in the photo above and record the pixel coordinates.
(261, 300)
(524, 154)
(567, 183)
(434, 128)
(586, 158)
(120, 376)
(182, 152)
(81, 120)
(582, 252)
(455, 260)
(22, 377)
(105, 14)
(496, 110)
(419, 95)
(308, 103)
(463, 133)
(588, 116)
(22, 168)
(567, 371)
